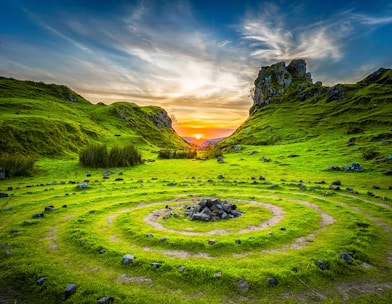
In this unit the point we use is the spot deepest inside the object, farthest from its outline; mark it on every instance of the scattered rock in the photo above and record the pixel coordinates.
(82, 185)
(242, 284)
(41, 280)
(14, 230)
(282, 228)
(337, 183)
(102, 251)
(149, 235)
(105, 300)
(127, 259)
(38, 215)
(337, 92)
(354, 167)
(156, 265)
(376, 187)
(370, 193)
(238, 241)
(221, 176)
(2, 174)
(2, 246)
(388, 172)
(218, 274)
(70, 290)
(271, 282)
(346, 257)
(49, 208)
(321, 265)
(2, 195)
(334, 168)
(211, 242)
(118, 179)
(181, 269)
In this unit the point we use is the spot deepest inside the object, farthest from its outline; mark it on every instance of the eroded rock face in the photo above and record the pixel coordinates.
(273, 80)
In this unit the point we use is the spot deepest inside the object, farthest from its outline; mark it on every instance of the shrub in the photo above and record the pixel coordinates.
(170, 154)
(97, 156)
(17, 164)
(212, 151)
(125, 156)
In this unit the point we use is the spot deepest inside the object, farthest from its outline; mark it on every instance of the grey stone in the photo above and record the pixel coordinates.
(3, 195)
(238, 241)
(14, 230)
(70, 289)
(181, 269)
(337, 183)
(271, 282)
(49, 208)
(321, 265)
(242, 284)
(346, 257)
(41, 280)
(105, 300)
(38, 215)
(127, 259)
(2, 246)
(103, 250)
(218, 274)
(156, 265)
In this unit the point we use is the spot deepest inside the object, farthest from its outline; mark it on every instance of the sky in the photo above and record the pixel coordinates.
(197, 59)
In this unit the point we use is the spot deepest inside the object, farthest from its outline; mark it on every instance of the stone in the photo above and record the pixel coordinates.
(388, 172)
(242, 284)
(181, 269)
(271, 282)
(14, 230)
(336, 93)
(163, 239)
(321, 265)
(376, 187)
(38, 215)
(10, 188)
(41, 280)
(82, 185)
(238, 241)
(102, 251)
(105, 300)
(211, 242)
(127, 259)
(9, 251)
(282, 228)
(346, 257)
(49, 208)
(334, 168)
(2, 174)
(156, 265)
(70, 289)
(2, 246)
(370, 193)
(218, 274)
(337, 183)
(3, 195)
(149, 235)
(220, 176)
(118, 179)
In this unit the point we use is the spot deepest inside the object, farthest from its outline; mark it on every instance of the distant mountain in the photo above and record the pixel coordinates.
(202, 142)
(52, 120)
(288, 108)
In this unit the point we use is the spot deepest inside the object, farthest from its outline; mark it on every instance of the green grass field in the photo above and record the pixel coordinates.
(306, 235)
(319, 223)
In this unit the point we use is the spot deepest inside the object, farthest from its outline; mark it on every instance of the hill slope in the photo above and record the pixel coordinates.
(289, 108)
(51, 120)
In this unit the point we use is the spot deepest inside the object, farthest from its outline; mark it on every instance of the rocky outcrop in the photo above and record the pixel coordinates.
(381, 76)
(160, 119)
(273, 80)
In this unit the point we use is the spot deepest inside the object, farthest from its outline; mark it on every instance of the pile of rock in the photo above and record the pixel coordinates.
(212, 210)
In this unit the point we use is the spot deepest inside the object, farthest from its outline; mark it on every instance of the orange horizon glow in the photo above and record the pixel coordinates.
(202, 133)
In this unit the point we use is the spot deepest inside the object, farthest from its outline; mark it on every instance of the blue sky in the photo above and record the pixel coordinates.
(196, 59)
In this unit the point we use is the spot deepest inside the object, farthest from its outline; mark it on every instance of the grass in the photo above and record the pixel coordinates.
(110, 215)
(292, 214)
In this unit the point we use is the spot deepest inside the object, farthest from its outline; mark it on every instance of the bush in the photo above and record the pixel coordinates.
(97, 156)
(125, 156)
(17, 164)
(212, 151)
(170, 154)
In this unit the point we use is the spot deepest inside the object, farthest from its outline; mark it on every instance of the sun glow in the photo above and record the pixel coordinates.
(198, 136)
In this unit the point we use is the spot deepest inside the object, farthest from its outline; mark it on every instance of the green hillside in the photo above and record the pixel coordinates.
(52, 120)
(355, 116)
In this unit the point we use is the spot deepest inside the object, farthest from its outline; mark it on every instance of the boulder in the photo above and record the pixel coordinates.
(70, 289)
(105, 300)
(127, 259)
(41, 280)
(321, 265)
(271, 282)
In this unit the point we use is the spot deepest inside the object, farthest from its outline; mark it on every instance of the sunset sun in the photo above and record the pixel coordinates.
(198, 136)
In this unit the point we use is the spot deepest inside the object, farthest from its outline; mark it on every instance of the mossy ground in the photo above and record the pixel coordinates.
(111, 215)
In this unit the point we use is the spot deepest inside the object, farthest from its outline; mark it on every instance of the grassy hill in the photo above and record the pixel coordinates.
(52, 120)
